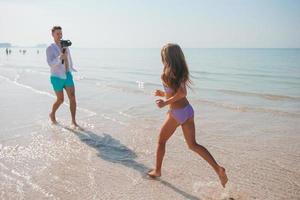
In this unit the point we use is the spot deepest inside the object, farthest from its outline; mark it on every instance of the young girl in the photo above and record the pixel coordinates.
(175, 78)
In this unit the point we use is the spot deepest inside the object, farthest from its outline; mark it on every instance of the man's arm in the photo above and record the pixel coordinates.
(51, 59)
(71, 61)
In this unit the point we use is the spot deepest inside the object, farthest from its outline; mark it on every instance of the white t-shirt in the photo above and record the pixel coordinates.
(58, 69)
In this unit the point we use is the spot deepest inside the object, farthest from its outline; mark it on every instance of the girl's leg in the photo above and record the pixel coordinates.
(57, 103)
(188, 129)
(166, 132)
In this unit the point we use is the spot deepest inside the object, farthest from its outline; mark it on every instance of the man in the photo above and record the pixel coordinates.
(61, 76)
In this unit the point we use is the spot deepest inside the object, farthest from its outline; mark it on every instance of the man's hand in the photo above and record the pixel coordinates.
(160, 103)
(64, 56)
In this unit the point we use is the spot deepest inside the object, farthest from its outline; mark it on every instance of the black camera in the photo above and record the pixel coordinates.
(64, 44)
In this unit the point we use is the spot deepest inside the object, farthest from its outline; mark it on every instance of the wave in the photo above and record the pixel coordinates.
(249, 109)
(124, 89)
(114, 120)
(247, 75)
(219, 104)
(15, 81)
(145, 73)
(262, 95)
(268, 96)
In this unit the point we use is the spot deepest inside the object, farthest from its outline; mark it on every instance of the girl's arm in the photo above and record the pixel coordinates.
(159, 93)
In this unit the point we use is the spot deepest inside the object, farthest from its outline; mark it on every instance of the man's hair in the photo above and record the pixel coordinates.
(55, 28)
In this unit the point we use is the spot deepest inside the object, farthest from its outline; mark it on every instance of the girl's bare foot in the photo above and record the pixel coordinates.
(52, 118)
(222, 176)
(153, 173)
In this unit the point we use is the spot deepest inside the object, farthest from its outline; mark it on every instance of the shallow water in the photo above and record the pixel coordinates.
(247, 113)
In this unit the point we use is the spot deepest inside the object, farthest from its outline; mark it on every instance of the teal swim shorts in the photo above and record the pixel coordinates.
(59, 84)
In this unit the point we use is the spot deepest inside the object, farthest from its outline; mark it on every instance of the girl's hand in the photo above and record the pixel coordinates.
(160, 103)
(159, 93)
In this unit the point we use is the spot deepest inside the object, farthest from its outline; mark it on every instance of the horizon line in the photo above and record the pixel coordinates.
(78, 47)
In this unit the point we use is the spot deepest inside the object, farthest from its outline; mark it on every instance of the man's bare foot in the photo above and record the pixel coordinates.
(222, 176)
(153, 173)
(52, 118)
(74, 125)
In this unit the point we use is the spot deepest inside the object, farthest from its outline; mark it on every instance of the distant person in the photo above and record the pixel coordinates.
(24, 51)
(175, 79)
(9, 51)
(6, 51)
(61, 76)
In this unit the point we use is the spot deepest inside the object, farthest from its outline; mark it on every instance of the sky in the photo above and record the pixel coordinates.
(152, 23)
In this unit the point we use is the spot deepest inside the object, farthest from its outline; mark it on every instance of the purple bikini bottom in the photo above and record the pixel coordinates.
(182, 114)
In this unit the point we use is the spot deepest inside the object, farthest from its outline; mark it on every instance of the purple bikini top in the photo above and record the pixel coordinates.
(170, 90)
(167, 89)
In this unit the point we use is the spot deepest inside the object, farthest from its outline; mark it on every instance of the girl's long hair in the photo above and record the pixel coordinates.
(175, 70)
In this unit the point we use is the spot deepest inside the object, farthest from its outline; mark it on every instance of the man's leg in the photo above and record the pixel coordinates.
(71, 94)
(57, 103)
